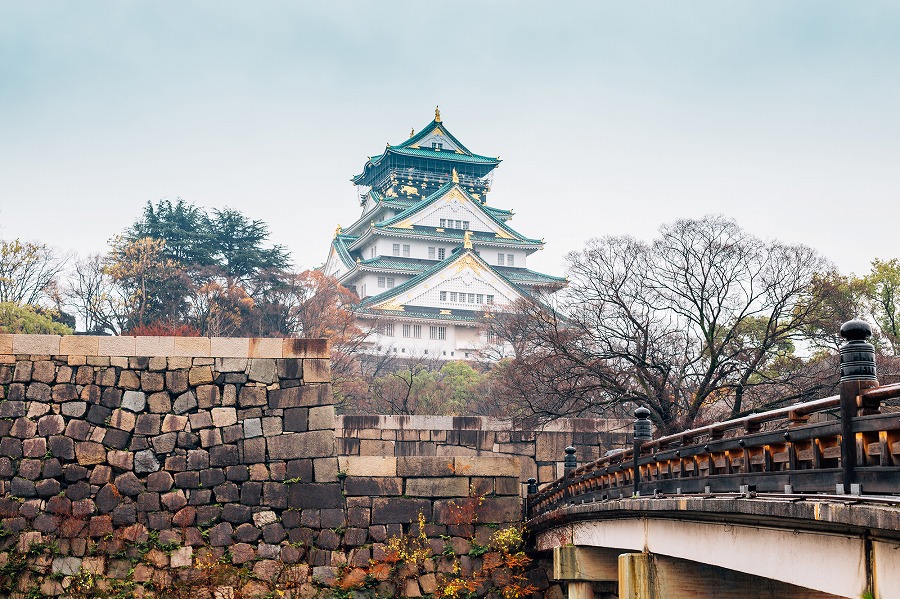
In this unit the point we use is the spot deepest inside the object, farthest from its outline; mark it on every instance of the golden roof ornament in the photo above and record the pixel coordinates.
(437, 114)
(412, 132)
(467, 240)
(337, 231)
(454, 175)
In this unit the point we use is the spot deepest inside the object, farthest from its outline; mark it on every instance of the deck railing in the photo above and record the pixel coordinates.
(778, 451)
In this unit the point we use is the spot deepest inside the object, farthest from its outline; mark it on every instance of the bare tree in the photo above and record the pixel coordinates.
(26, 271)
(700, 322)
(95, 297)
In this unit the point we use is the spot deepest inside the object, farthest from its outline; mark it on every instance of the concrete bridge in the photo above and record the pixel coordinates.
(800, 502)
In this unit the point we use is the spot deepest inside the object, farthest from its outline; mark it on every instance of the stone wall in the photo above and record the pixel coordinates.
(128, 457)
(541, 451)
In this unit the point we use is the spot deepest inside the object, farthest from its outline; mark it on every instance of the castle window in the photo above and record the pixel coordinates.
(441, 253)
(500, 259)
(390, 282)
(381, 282)
(439, 333)
(492, 337)
(465, 225)
(437, 146)
(459, 224)
(490, 300)
(510, 260)
(479, 298)
(405, 250)
(387, 329)
(396, 249)
(471, 298)
(443, 296)
(407, 330)
(372, 252)
(453, 296)
(443, 222)
(362, 291)
(417, 331)
(431, 253)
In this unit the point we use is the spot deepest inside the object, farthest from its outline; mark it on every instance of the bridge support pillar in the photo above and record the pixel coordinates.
(635, 576)
(580, 590)
(580, 567)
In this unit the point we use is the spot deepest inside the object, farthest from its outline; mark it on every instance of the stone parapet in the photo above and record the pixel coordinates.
(539, 452)
(191, 347)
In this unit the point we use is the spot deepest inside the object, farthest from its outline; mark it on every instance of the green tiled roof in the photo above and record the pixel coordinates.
(425, 312)
(340, 243)
(448, 155)
(436, 195)
(498, 212)
(452, 234)
(525, 276)
(417, 265)
(406, 149)
(376, 299)
(397, 263)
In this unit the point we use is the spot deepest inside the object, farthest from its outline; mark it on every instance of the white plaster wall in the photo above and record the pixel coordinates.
(887, 570)
(824, 562)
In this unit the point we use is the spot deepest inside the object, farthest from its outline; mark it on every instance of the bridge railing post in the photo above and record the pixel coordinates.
(642, 432)
(569, 463)
(857, 374)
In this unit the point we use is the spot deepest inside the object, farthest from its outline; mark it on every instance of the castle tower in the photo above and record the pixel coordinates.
(428, 257)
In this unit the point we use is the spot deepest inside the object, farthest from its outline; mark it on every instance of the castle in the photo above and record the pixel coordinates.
(428, 257)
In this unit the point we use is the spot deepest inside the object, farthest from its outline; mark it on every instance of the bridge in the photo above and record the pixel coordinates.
(801, 501)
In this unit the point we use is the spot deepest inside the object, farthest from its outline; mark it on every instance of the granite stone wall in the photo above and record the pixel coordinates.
(222, 447)
(540, 450)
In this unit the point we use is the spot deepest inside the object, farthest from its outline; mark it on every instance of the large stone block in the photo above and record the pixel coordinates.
(115, 346)
(200, 375)
(370, 447)
(306, 348)
(252, 396)
(264, 348)
(154, 346)
(321, 418)
(192, 346)
(487, 466)
(88, 453)
(302, 396)
(312, 495)
(6, 344)
(364, 486)
(551, 447)
(399, 510)
(229, 347)
(368, 465)
(420, 466)
(317, 370)
(499, 510)
(313, 444)
(47, 345)
(43, 371)
(262, 371)
(457, 486)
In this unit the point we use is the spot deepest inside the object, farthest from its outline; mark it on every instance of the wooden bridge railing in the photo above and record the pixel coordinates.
(778, 451)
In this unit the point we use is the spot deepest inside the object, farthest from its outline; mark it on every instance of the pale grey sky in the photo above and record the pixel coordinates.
(610, 117)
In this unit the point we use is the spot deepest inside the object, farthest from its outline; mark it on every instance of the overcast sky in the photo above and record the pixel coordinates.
(610, 117)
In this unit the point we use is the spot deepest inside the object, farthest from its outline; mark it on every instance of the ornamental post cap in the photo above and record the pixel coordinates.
(856, 330)
(642, 412)
(570, 450)
(437, 114)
